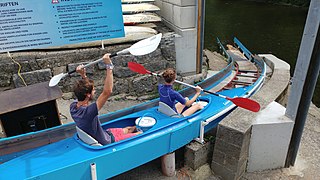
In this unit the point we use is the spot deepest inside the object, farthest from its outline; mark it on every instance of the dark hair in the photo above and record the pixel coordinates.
(81, 88)
(169, 75)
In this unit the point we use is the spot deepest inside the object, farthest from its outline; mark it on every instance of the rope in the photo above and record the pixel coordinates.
(102, 44)
(19, 70)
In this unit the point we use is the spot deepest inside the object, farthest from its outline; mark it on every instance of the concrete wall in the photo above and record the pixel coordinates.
(270, 138)
(180, 16)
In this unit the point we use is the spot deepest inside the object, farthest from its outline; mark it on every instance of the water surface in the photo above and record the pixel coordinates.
(261, 27)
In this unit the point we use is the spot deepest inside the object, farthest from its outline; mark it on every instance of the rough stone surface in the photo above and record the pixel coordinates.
(73, 66)
(197, 155)
(123, 72)
(39, 66)
(168, 41)
(32, 77)
(121, 86)
(145, 97)
(144, 84)
(4, 80)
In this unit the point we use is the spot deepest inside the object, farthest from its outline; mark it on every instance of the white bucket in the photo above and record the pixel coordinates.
(145, 123)
(203, 103)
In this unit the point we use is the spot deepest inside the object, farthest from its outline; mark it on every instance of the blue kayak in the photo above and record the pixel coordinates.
(71, 158)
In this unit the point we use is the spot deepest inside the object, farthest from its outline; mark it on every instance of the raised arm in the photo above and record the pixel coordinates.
(189, 102)
(82, 71)
(108, 83)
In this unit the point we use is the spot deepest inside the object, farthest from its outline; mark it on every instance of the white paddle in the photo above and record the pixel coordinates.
(142, 47)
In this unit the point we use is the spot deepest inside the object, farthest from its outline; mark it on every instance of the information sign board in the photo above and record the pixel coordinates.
(30, 24)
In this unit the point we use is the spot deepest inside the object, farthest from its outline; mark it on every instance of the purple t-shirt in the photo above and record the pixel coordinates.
(86, 118)
(170, 96)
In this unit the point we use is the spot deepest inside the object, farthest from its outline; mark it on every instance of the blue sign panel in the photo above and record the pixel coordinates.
(30, 24)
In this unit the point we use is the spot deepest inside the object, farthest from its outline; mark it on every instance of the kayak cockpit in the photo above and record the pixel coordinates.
(144, 120)
(167, 110)
(148, 121)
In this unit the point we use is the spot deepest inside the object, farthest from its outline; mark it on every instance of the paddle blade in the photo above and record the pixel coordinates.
(246, 103)
(145, 46)
(56, 79)
(138, 68)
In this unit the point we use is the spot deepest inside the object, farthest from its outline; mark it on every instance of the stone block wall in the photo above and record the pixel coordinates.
(197, 155)
(231, 149)
(231, 152)
(180, 13)
(40, 66)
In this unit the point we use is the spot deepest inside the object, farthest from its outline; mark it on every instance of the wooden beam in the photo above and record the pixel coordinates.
(200, 35)
(23, 97)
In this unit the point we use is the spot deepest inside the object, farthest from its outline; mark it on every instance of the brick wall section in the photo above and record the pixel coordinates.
(230, 154)
(197, 155)
(231, 151)
(40, 66)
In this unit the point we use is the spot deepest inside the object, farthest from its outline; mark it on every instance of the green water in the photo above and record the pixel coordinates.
(262, 28)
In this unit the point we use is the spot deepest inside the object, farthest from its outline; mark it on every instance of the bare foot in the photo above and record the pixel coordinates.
(131, 129)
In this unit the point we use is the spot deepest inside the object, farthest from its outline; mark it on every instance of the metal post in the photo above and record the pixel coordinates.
(168, 164)
(201, 131)
(200, 34)
(304, 79)
(93, 170)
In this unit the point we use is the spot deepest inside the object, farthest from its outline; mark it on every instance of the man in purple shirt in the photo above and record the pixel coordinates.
(169, 96)
(85, 114)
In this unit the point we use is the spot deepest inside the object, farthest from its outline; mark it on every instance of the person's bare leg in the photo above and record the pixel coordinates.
(129, 129)
(125, 130)
(179, 107)
(138, 132)
(192, 110)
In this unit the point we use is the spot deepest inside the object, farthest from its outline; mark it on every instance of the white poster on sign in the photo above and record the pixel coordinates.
(30, 24)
